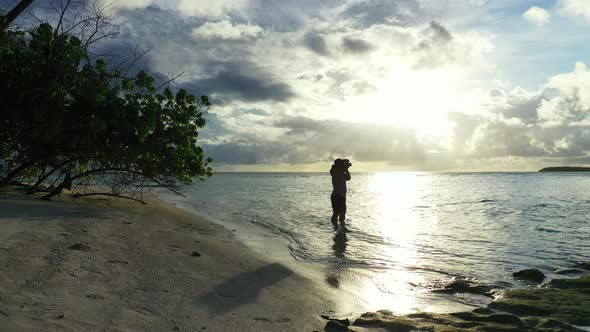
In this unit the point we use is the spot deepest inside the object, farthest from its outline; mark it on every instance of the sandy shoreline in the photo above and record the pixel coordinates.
(107, 265)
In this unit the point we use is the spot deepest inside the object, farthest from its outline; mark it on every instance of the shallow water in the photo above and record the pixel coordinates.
(410, 231)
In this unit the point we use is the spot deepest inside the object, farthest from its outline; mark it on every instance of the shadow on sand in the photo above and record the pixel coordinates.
(243, 289)
(32, 208)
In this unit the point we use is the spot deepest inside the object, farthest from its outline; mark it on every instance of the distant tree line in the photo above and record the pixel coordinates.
(565, 169)
(71, 120)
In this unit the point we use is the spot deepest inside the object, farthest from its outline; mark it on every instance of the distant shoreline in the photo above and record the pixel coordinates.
(565, 169)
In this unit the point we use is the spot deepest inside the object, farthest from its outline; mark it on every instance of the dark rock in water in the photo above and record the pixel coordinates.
(483, 311)
(504, 319)
(465, 286)
(555, 324)
(581, 284)
(333, 281)
(80, 246)
(335, 326)
(196, 254)
(566, 300)
(568, 271)
(530, 275)
(345, 321)
(461, 321)
(583, 265)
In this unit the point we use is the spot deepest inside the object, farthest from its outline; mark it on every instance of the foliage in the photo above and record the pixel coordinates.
(71, 119)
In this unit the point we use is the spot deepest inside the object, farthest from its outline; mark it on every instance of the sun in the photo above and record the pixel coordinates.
(417, 99)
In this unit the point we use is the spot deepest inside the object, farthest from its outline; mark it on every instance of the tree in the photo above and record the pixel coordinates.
(70, 119)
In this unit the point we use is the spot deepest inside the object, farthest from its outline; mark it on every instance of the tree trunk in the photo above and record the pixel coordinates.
(41, 179)
(55, 191)
(8, 178)
(16, 11)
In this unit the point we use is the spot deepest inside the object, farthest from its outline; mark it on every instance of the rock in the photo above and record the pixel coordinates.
(335, 326)
(196, 254)
(583, 265)
(483, 311)
(333, 281)
(568, 271)
(582, 283)
(345, 321)
(465, 286)
(550, 323)
(566, 300)
(80, 246)
(505, 319)
(529, 275)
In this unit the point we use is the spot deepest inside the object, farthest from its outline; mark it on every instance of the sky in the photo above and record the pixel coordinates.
(410, 85)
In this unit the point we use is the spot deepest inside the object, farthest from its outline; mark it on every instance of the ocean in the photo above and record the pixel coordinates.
(408, 233)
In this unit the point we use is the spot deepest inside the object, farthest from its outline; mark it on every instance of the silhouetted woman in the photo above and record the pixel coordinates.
(340, 175)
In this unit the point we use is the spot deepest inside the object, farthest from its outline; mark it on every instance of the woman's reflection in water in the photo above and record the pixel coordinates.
(337, 268)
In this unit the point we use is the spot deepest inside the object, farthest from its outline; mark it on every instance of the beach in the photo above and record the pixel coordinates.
(105, 264)
(96, 264)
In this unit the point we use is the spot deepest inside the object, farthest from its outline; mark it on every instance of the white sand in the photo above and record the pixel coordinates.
(139, 274)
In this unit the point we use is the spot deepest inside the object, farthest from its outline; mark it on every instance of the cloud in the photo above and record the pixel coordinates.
(215, 9)
(300, 82)
(226, 30)
(356, 46)
(575, 8)
(306, 140)
(370, 12)
(551, 123)
(521, 105)
(316, 43)
(537, 16)
(435, 46)
(124, 4)
(230, 84)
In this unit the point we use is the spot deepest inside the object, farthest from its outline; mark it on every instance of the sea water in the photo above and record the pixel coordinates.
(406, 233)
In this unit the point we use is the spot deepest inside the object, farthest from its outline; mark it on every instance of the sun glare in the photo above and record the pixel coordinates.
(398, 195)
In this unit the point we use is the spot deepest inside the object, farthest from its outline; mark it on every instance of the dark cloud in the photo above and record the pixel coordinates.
(435, 47)
(241, 154)
(220, 68)
(316, 43)
(308, 141)
(440, 33)
(352, 45)
(229, 85)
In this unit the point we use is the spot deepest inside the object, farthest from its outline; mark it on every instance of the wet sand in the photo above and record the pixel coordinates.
(94, 264)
